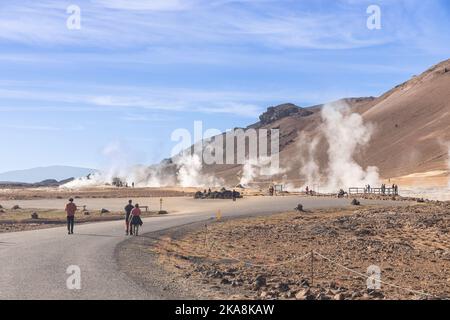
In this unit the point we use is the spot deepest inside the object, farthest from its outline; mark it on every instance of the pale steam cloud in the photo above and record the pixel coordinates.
(345, 133)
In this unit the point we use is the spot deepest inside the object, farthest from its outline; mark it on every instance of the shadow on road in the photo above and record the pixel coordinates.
(96, 235)
(6, 243)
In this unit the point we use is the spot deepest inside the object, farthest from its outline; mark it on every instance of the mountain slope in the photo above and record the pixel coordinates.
(411, 130)
(413, 125)
(43, 173)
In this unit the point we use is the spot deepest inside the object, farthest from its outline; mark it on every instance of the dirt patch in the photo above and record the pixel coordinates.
(323, 254)
(94, 192)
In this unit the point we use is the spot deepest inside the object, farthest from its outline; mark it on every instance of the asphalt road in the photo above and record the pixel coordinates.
(33, 264)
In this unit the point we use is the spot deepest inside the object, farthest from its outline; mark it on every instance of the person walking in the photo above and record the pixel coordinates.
(71, 208)
(128, 209)
(135, 218)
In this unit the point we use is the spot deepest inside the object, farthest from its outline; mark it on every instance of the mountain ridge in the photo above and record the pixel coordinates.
(410, 135)
(42, 173)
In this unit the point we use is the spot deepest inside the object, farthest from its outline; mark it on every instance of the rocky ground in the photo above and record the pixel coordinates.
(323, 254)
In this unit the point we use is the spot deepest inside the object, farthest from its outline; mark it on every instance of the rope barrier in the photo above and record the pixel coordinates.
(258, 265)
(266, 265)
(367, 277)
(299, 258)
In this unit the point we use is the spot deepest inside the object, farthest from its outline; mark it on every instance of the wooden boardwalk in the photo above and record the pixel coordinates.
(387, 191)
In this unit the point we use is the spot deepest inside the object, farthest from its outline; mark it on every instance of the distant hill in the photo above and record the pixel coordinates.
(39, 174)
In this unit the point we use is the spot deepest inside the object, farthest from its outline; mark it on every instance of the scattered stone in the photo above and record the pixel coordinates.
(162, 212)
(86, 213)
(304, 294)
(375, 294)
(222, 194)
(260, 281)
(290, 295)
(322, 296)
(299, 207)
(34, 215)
(355, 202)
(304, 283)
(339, 296)
(333, 285)
(16, 207)
(104, 210)
(364, 232)
(365, 296)
(283, 287)
(236, 283)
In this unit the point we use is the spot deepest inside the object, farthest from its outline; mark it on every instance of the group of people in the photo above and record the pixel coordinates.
(394, 189)
(308, 191)
(132, 217)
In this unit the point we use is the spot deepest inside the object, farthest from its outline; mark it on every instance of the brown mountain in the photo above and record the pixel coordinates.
(411, 129)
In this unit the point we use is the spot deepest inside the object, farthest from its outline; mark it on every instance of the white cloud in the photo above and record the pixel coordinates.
(146, 5)
(89, 97)
(130, 24)
(30, 127)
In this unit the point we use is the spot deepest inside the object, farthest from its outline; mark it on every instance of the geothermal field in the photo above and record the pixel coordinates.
(237, 158)
(355, 207)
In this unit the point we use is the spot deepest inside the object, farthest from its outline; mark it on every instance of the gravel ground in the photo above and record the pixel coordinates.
(321, 254)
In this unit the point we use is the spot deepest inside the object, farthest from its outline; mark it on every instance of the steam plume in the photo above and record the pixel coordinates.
(345, 133)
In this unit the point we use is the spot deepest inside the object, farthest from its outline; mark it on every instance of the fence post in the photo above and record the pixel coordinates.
(312, 268)
(206, 235)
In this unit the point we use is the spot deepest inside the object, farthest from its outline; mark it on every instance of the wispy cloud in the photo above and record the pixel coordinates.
(41, 127)
(145, 5)
(86, 97)
(285, 24)
(154, 117)
(30, 127)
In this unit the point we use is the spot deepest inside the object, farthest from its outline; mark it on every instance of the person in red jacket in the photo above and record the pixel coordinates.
(71, 208)
(135, 219)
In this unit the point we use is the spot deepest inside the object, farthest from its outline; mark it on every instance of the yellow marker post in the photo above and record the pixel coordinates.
(218, 215)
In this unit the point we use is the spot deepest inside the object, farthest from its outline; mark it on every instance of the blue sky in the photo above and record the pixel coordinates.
(137, 70)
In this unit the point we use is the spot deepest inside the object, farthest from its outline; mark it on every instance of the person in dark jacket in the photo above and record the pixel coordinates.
(128, 209)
